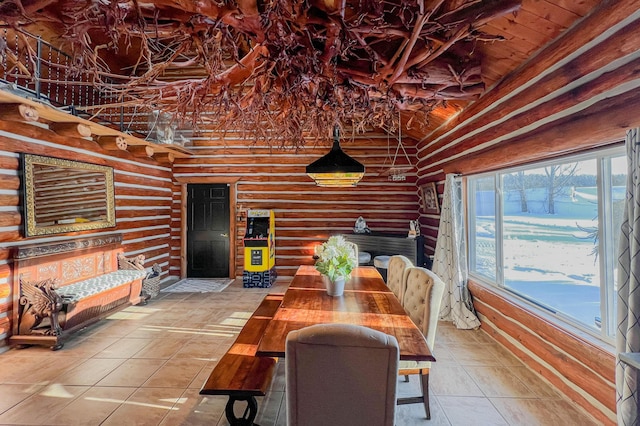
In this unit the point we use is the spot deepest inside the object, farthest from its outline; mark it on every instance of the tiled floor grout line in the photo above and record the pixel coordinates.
(196, 354)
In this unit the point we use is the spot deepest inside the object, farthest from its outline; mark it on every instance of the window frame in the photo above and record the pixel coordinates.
(606, 239)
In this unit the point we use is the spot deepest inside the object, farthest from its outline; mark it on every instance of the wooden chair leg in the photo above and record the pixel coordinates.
(424, 381)
(406, 378)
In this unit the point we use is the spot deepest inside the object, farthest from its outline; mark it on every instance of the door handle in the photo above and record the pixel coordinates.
(224, 235)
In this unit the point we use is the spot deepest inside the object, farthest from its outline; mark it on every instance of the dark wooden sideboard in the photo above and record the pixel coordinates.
(389, 244)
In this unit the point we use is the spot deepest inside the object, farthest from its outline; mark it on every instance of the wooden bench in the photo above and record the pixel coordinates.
(64, 286)
(239, 373)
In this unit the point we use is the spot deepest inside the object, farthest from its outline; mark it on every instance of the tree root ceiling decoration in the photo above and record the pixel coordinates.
(279, 69)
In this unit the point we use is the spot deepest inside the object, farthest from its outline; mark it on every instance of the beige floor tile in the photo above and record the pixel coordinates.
(117, 328)
(145, 407)
(537, 385)
(206, 350)
(196, 410)
(148, 332)
(414, 414)
(269, 408)
(158, 357)
(498, 381)
(37, 370)
(41, 406)
(279, 379)
(11, 395)
(92, 407)
(468, 410)
(175, 373)
(505, 356)
(202, 376)
(540, 412)
(20, 366)
(132, 372)
(452, 380)
(448, 333)
(474, 354)
(161, 349)
(443, 355)
(86, 347)
(89, 372)
(124, 348)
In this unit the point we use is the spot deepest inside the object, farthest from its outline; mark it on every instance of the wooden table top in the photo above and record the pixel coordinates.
(366, 301)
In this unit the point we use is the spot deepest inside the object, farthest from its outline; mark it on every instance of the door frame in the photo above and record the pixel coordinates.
(232, 182)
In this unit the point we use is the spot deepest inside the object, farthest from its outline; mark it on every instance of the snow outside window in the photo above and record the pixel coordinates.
(548, 233)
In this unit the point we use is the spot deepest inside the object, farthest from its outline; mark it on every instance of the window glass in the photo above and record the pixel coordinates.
(483, 227)
(549, 233)
(550, 220)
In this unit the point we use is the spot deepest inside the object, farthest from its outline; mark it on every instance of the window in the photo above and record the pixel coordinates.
(549, 233)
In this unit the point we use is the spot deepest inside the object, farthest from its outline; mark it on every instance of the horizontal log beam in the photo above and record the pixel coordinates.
(76, 130)
(18, 112)
(112, 142)
(621, 44)
(141, 150)
(604, 123)
(605, 16)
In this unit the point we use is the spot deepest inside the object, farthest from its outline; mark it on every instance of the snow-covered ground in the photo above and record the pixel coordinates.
(547, 258)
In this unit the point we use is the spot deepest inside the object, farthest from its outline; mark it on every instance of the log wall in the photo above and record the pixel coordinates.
(272, 178)
(143, 194)
(579, 93)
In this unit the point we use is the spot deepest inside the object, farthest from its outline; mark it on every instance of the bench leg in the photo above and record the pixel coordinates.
(249, 413)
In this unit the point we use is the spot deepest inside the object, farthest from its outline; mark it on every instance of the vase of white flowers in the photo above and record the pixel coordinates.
(336, 260)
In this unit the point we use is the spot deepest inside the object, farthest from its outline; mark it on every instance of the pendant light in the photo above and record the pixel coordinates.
(336, 169)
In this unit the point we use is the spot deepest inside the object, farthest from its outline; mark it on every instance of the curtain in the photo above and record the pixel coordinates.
(628, 331)
(450, 259)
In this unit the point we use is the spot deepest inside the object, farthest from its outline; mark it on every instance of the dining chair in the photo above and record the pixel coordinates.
(396, 271)
(421, 300)
(327, 382)
(363, 257)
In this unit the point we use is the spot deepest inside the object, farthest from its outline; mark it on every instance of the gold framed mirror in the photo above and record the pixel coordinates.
(63, 196)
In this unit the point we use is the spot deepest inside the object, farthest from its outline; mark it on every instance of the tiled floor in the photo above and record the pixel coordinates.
(145, 366)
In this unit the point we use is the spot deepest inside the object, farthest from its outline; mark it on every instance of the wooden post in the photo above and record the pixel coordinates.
(18, 112)
(113, 143)
(76, 130)
(164, 157)
(141, 150)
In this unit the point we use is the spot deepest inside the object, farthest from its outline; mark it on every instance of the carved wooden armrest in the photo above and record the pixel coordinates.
(39, 300)
(128, 263)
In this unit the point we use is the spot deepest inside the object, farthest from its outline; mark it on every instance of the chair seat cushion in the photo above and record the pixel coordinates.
(381, 262)
(364, 257)
(73, 293)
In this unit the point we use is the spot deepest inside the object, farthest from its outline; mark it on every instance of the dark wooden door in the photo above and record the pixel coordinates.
(208, 230)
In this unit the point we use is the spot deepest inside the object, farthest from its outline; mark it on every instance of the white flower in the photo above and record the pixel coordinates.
(336, 258)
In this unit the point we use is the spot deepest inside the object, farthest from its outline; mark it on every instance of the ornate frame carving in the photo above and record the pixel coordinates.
(31, 228)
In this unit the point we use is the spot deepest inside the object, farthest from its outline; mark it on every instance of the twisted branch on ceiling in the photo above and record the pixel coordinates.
(290, 68)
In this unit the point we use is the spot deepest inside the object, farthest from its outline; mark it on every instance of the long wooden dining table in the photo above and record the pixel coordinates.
(366, 301)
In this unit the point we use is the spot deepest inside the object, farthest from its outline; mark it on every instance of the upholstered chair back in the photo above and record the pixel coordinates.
(422, 299)
(396, 274)
(354, 247)
(341, 374)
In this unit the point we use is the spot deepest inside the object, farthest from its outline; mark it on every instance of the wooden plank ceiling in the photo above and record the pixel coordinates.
(498, 37)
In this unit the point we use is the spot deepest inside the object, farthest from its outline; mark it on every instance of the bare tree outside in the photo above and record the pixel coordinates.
(558, 178)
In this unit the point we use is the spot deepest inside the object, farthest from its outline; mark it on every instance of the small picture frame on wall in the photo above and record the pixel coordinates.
(430, 198)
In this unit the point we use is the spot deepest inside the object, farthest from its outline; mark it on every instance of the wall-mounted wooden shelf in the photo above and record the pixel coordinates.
(51, 114)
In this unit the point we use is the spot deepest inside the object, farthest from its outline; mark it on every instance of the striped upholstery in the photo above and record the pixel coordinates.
(73, 293)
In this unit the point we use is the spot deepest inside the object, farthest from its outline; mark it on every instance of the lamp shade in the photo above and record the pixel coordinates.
(336, 168)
